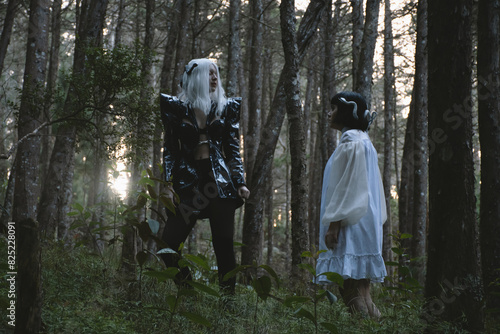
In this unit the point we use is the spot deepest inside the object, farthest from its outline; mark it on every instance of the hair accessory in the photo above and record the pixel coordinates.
(372, 117)
(188, 71)
(355, 107)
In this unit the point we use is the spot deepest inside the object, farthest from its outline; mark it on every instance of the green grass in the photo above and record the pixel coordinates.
(83, 294)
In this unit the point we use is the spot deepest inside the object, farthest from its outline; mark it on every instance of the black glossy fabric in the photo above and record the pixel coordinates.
(181, 137)
(220, 212)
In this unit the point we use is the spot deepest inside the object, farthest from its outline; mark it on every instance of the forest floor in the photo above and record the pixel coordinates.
(85, 293)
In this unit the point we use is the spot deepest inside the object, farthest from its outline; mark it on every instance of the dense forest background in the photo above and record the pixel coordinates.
(81, 142)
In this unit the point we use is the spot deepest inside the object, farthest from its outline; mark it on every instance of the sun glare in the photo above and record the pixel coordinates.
(119, 176)
(394, 192)
(119, 185)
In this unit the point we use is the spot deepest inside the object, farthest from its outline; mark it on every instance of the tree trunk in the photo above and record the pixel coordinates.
(267, 95)
(314, 179)
(300, 235)
(98, 189)
(270, 222)
(54, 200)
(29, 292)
(128, 263)
(181, 49)
(357, 36)
(10, 15)
(323, 143)
(287, 247)
(145, 122)
(169, 53)
(389, 109)
(119, 23)
(55, 44)
(253, 219)
(396, 159)
(8, 199)
(244, 83)
(200, 14)
(420, 154)
(267, 72)
(328, 143)
(405, 191)
(311, 88)
(5, 164)
(453, 282)
(63, 208)
(365, 65)
(488, 68)
(57, 189)
(234, 50)
(312, 125)
(255, 88)
(29, 278)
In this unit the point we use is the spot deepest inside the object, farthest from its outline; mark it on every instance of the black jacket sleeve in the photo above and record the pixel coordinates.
(171, 151)
(231, 142)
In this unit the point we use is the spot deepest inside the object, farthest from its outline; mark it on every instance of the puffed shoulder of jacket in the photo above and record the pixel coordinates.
(234, 106)
(171, 105)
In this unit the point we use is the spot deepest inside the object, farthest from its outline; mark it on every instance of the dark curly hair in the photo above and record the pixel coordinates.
(352, 110)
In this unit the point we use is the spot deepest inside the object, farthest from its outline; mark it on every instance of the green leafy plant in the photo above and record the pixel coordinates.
(402, 280)
(147, 229)
(317, 295)
(261, 284)
(83, 220)
(186, 288)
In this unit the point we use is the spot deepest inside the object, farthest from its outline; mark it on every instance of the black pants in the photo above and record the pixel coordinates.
(220, 212)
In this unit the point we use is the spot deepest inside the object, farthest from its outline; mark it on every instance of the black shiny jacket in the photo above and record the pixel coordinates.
(181, 136)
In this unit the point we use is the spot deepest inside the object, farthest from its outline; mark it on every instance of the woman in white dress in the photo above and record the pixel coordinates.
(353, 207)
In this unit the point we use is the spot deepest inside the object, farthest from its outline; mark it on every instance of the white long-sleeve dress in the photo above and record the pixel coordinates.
(352, 193)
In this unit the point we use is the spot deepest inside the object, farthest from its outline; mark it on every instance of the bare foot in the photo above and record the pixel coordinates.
(358, 305)
(353, 295)
(373, 311)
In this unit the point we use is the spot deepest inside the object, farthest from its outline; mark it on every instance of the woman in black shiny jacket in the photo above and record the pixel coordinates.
(202, 162)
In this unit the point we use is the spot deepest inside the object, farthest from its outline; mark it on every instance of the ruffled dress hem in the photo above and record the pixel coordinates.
(368, 266)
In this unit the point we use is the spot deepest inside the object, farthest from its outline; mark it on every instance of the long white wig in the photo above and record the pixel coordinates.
(196, 88)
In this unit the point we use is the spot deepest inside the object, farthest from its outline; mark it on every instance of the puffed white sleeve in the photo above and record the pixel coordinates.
(346, 197)
(383, 207)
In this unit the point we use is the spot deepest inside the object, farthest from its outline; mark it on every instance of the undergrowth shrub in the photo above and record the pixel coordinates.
(79, 298)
